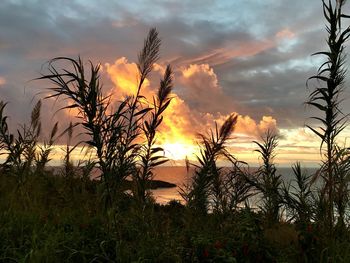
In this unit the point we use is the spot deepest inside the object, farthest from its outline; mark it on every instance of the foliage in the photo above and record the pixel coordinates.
(68, 225)
(61, 219)
(115, 136)
(213, 188)
(266, 181)
(150, 157)
(22, 149)
(298, 197)
(326, 97)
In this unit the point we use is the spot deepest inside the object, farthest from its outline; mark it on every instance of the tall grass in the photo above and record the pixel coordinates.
(298, 197)
(215, 188)
(207, 173)
(326, 98)
(124, 140)
(61, 218)
(341, 158)
(266, 180)
(22, 148)
(150, 153)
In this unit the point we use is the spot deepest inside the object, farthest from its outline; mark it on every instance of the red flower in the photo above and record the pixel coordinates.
(218, 245)
(245, 249)
(83, 226)
(309, 228)
(205, 253)
(44, 219)
(234, 253)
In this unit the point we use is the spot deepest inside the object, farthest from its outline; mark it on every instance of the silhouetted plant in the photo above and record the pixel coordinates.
(85, 92)
(326, 99)
(207, 175)
(297, 196)
(149, 154)
(266, 181)
(341, 157)
(68, 165)
(8, 142)
(128, 151)
(86, 168)
(42, 157)
(22, 149)
(29, 137)
(236, 189)
(117, 137)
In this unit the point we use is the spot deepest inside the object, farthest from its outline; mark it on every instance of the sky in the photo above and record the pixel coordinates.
(249, 57)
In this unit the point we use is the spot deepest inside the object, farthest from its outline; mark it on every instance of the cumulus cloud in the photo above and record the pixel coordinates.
(247, 125)
(124, 75)
(192, 109)
(198, 85)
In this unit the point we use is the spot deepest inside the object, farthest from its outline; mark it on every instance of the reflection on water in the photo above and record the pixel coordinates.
(172, 174)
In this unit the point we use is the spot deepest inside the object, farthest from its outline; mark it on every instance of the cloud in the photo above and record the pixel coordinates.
(248, 57)
(192, 109)
(248, 126)
(2, 81)
(124, 75)
(229, 52)
(178, 117)
(236, 39)
(198, 85)
(285, 33)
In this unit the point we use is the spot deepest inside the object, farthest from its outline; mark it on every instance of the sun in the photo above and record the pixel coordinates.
(178, 151)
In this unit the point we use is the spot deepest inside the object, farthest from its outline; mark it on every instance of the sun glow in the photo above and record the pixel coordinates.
(179, 151)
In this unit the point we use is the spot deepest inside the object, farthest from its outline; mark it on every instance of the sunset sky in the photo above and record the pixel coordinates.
(251, 57)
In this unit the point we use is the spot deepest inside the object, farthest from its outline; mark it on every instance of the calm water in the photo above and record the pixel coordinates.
(178, 175)
(172, 174)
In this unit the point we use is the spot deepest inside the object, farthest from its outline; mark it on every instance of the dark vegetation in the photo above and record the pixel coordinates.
(71, 218)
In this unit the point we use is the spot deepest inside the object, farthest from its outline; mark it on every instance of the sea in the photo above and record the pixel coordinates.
(179, 176)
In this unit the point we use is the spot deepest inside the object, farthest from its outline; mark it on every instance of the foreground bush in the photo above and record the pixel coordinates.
(53, 222)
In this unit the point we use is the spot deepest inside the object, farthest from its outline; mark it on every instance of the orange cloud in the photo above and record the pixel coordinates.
(285, 33)
(2, 81)
(246, 125)
(124, 76)
(198, 102)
